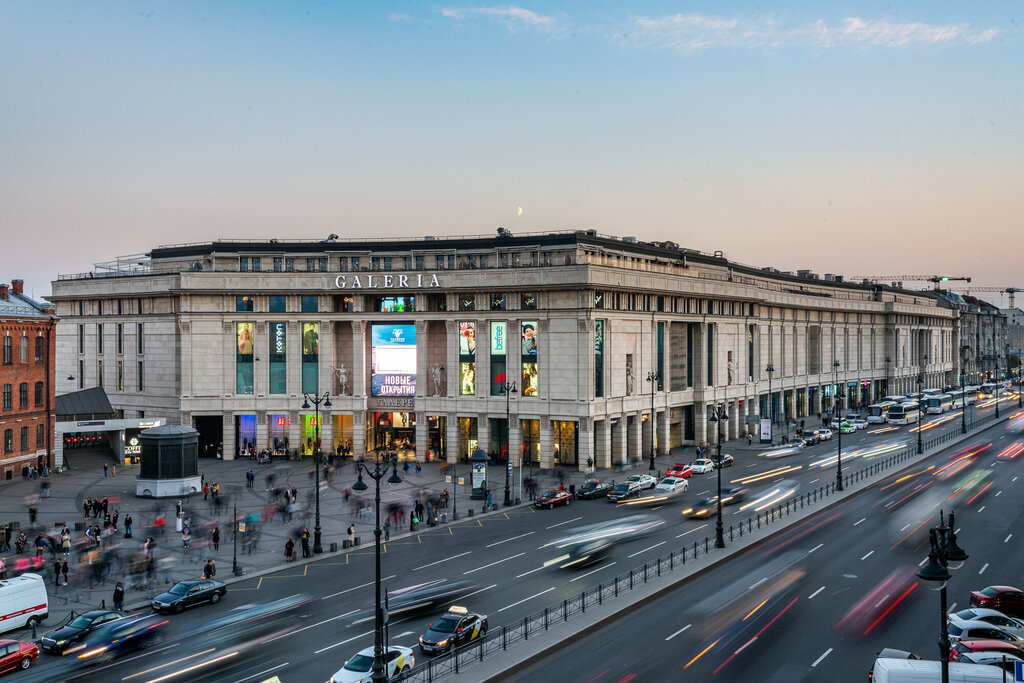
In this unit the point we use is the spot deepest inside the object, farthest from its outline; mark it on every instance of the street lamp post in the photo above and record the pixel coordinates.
(719, 415)
(771, 404)
(316, 400)
(652, 377)
(887, 362)
(234, 539)
(920, 390)
(944, 555)
(839, 428)
(507, 388)
(963, 402)
(382, 461)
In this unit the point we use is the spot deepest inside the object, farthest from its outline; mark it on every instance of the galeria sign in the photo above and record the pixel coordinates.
(418, 281)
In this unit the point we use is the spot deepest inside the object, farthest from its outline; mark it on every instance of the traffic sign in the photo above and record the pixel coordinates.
(510, 468)
(1018, 671)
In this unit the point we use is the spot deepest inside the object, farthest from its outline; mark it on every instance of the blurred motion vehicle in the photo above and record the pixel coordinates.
(797, 442)
(962, 647)
(15, 654)
(644, 481)
(847, 427)
(189, 594)
(680, 470)
(60, 639)
(627, 489)
(553, 497)
(707, 507)
(117, 638)
(1006, 599)
(359, 669)
(458, 627)
(588, 544)
(423, 597)
(594, 488)
(727, 460)
(810, 436)
(672, 485)
(702, 466)
(988, 616)
(879, 604)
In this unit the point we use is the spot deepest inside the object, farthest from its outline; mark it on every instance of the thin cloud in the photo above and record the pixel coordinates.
(399, 18)
(514, 18)
(697, 32)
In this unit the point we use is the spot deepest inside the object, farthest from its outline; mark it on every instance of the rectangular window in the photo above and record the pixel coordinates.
(278, 358)
(7, 397)
(439, 262)
(598, 358)
(8, 351)
(289, 264)
(750, 353)
(278, 264)
(499, 343)
(99, 373)
(711, 356)
(39, 349)
(467, 302)
(81, 308)
(39, 394)
(120, 339)
(139, 336)
(23, 395)
(23, 350)
(244, 304)
(243, 358)
(8, 440)
(661, 356)
(99, 338)
(355, 263)
(40, 436)
(467, 358)
(255, 264)
(120, 375)
(81, 338)
(243, 264)
(497, 302)
(528, 301)
(139, 302)
(278, 304)
(310, 358)
(528, 344)
(81, 374)
(419, 262)
(343, 304)
(142, 383)
(24, 438)
(99, 307)
(310, 304)
(120, 309)
(394, 304)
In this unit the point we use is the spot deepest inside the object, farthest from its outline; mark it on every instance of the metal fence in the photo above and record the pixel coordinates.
(501, 638)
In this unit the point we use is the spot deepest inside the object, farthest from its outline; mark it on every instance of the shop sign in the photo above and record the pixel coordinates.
(393, 402)
(133, 447)
(418, 281)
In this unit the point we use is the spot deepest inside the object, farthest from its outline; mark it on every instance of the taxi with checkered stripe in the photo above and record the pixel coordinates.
(457, 627)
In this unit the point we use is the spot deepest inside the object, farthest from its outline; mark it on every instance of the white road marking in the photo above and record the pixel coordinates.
(753, 465)
(691, 530)
(997, 493)
(491, 545)
(906, 527)
(493, 585)
(703, 492)
(815, 592)
(416, 569)
(952, 607)
(860, 521)
(679, 631)
(574, 519)
(493, 563)
(1014, 479)
(1007, 539)
(824, 654)
(849, 576)
(921, 563)
(340, 616)
(870, 553)
(525, 599)
(815, 548)
(347, 640)
(982, 570)
(403, 635)
(519, 576)
(648, 548)
(813, 480)
(265, 671)
(349, 590)
(592, 571)
(757, 584)
(982, 508)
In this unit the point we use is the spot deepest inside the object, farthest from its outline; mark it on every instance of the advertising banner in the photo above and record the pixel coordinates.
(393, 370)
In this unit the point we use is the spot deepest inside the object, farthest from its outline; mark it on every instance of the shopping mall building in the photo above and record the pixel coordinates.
(609, 342)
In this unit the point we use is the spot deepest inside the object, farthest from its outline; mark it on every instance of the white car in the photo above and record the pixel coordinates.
(860, 423)
(672, 485)
(824, 434)
(979, 630)
(359, 669)
(989, 616)
(644, 481)
(703, 466)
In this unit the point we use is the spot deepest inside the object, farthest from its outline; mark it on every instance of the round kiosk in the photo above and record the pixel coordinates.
(170, 462)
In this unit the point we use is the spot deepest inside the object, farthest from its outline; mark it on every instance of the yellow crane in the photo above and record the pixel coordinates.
(1011, 291)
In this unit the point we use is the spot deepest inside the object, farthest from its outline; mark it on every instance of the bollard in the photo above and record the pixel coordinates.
(504, 637)
(34, 631)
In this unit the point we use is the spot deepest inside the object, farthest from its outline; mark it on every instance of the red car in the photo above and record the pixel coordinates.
(1006, 599)
(680, 471)
(550, 499)
(17, 655)
(964, 646)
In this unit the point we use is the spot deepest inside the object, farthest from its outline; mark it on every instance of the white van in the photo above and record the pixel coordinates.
(22, 602)
(914, 670)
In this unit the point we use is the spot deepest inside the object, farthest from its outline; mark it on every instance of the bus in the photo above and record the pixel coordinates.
(989, 390)
(878, 411)
(895, 399)
(958, 396)
(938, 403)
(904, 413)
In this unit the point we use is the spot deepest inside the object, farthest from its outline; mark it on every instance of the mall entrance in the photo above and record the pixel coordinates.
(395, 432)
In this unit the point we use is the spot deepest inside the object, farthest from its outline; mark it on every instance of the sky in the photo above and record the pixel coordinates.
(862, 138)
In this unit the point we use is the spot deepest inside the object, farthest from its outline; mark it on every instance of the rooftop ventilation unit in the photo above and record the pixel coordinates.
(631, 240)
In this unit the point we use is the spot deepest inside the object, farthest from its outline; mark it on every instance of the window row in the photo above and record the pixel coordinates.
(500, 259)
(120, 379)
(111, 307)
(626, 301)
(23, 349)
(23, 441)
(118, 338)
(8, 397)
(498, 301)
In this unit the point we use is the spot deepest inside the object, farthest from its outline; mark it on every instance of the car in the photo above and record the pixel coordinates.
(979, 630)
(119, 637)
(553, 497)
(594, 488)
(60, 639)
(1006, 599)
(847, 427)
(358, 669)
(186, 594)
(860, 422)
(672, 485)
(726, 461)
(1003, 660)
(796, 442)
(707, 507)
(702, 466)
(810, 436)
(644, 481)
(457, 627)
(961, 647)
(680, 470)
(824, 434)
(627, 489)
(15, 654)
(989, 616)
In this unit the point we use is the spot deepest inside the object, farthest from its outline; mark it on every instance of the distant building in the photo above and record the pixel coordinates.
(28, 337)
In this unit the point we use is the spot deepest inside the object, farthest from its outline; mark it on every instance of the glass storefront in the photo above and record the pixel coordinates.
(341, 435)
(566, 437)
(437, 437)
(245, 434)
(531, 440)
(499, 438)
(309, 433)
(467, 436)
(395, 432)
(277, 433)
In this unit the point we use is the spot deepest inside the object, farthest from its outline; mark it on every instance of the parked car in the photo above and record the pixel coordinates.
(672, 485)
(797, 442)
(964, 646)
(824, 434)
(1006, 599)
(989, 616)
(644, 481)
(553, 497)
(1003, 660)
(60, 639)
(627, 489)
(15, 654)
(189, 594)
(702, 466)
(727, 460)
(680, 470)
(979, 630)
(594, 488)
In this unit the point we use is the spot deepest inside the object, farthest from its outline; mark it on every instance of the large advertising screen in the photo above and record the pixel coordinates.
(393, 371)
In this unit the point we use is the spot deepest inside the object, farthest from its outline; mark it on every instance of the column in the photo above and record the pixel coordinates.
(700, 424)
(663, 432)
(452, 427)
(483, 429)
(734, 420)
(547, 443)
(326, 427)
(294, 434)
(603, 443)
(585, 444)
(228, 436)
(619, 453)
(633, 438)
(325, 373)
(422, 368)
(452, 362)
(646, 435)
(359, 371)
(262, 433)
(422, 432)
(515, 439)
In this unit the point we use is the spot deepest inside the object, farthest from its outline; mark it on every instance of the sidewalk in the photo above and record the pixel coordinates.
(85, 479)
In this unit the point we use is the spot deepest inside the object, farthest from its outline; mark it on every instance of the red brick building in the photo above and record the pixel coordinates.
(27, 416)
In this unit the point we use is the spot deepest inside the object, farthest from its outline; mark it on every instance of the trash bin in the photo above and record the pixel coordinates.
(444, 518)
(357, 540)
(345, 544)
(334, 547)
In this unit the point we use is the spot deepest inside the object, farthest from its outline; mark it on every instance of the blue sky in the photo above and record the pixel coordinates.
(860, 138)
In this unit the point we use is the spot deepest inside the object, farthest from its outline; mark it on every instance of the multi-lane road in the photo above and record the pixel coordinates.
(504, 556)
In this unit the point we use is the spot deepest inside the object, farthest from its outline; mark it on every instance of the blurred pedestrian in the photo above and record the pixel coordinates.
(387, 529)
(106, 470)
(289, 550)
(305, 543)
(32, 512)
(56, 573)
(113, 471)
(351, 534)
(216, 538)
(210, 570)
(64, 570)
(119, 597)
(128, 525)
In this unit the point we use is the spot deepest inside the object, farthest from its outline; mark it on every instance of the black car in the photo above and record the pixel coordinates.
(66, 637)
(594, 488)
(457, 627)
(727, 461)
(188, 594)
(809, 436)
(118, 638)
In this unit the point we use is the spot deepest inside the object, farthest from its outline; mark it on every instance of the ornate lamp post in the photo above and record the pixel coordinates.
(887, 362)
(839, 429)
(719, 416)
(771, 404)
(383, 461)
(920, 409)
(944, 555)
(508, 388)
(652, 377)
(316, 400)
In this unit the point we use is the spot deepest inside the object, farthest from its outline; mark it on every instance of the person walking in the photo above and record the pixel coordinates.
(289, 550)
(750, 439)
(119, 597)
(128, 525)
(56, 573)
(5, 538)
(106, 470)
(113, 518)
(105, 505)
(87, 506)
(351, 535)
(216, 537)
(305, 543)
(186, 538)
(32, 513)
(64, 570)
(113, 471)
(210, 570)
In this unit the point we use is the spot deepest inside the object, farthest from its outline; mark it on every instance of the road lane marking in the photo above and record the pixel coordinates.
(815, 548)
(906, 527)
(265, 671)
(758, 583)
(525, 599)
(493, 563)
(416, 569)
(860, 521)
(679, 631)
(349, 590)
(1007, 539)
(921, 563)
(574, 519)
(493, 585)
(982, 570)
(813, 480)
(347, 640)
(592, 571)
(997, 493)
(519, 576)
(952, 607)
(340, 616)
(868, 555)
(648, 548)
(691, 530)
(815, 592)
(491, 545)
(824, 654)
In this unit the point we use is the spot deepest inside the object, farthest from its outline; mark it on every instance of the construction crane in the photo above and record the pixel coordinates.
(937, 280)
(1011, 291)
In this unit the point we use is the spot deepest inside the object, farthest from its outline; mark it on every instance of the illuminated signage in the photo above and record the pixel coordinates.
(418, 281)
(499, 333)
(133, 447)
(393, 371)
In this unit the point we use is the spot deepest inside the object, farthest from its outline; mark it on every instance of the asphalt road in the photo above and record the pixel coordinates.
(502, 554)
(850, 589)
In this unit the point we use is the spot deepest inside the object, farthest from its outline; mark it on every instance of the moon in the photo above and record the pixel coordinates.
(519, 211)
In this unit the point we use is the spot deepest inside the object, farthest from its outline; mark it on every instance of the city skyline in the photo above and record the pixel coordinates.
(851, 139)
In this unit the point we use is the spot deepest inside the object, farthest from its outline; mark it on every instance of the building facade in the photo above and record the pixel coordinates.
(615, 347)
(28, 337)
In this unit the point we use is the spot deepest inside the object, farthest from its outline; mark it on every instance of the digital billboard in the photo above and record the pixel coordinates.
(393, 349)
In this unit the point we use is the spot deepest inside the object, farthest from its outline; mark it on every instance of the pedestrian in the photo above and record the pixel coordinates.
(3, 567)
(56, 573)
(186, 538)
(178, 509)
(64, 570)
(113, 471)
(87, 506)
(305, 543)
(106, 470)
(113, 518)
(419, 469)
(32, 514)
(444, 498)
(490, 498)
(387, 529)
(289, 550)
(216, 538)
(119, 597)
(209, 571)
(128, 525)
(750, 439)
(351, 535)
(105, 505)
(5, 538)
(206, 491)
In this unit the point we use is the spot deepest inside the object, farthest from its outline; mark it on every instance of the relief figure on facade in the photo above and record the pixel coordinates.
(630, 379)
(436, 375)
(342, 374)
